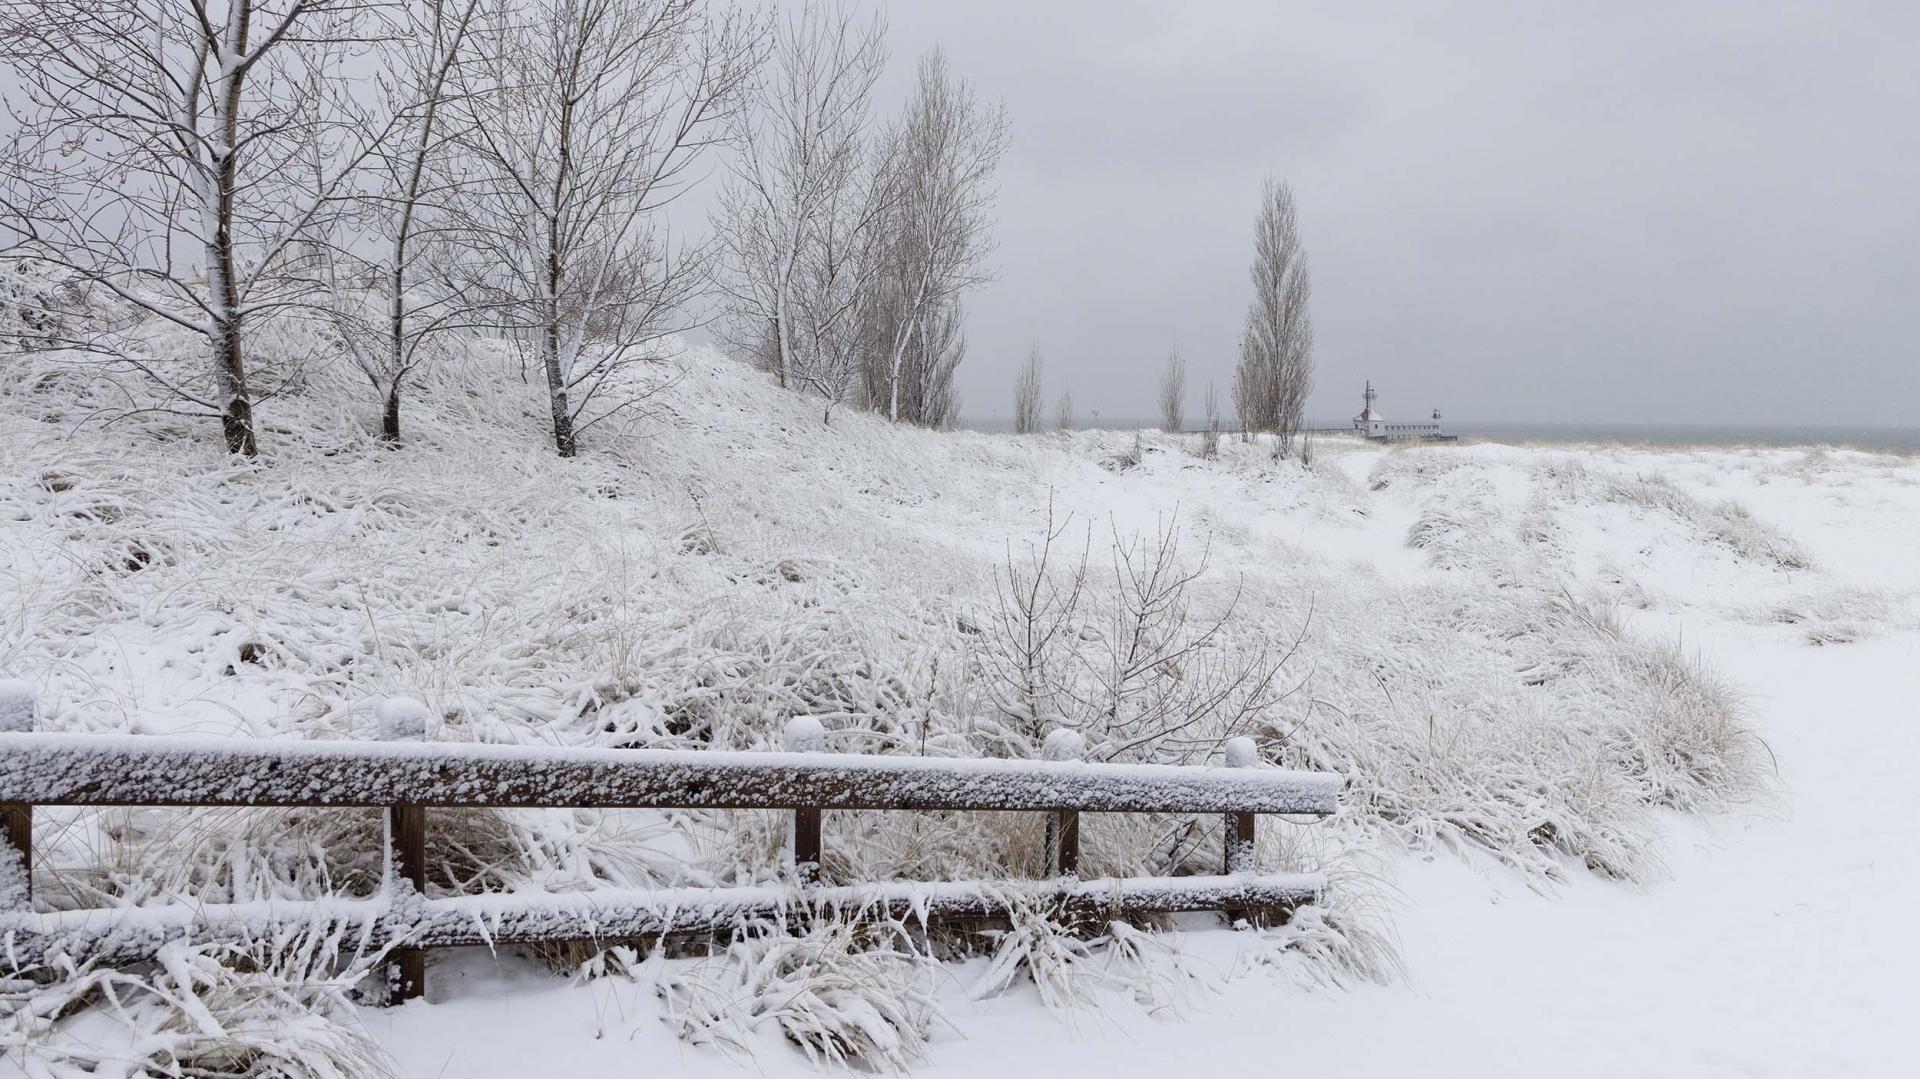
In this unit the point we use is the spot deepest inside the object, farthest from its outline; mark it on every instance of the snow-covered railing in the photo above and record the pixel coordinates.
(139, 770)
(120, 936)
(408, 776)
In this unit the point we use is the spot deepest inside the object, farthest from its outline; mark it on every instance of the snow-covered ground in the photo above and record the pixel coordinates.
(1461, 610)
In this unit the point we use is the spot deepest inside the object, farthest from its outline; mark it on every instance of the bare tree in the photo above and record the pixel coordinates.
(1128, 660)
(1275, 372)
(923, 390)
(582, 123)
(803, 196)
(392, 325)
(1173, 392)
(1063, 410)
(1026, 395)
(837, 295)
(1028, 659)
(1210, 438)
(181, 156)
(945, 149)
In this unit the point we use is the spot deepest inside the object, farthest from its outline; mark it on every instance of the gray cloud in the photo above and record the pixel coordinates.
(1518, 211)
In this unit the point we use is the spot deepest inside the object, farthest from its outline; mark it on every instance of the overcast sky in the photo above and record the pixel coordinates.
(1525, 211)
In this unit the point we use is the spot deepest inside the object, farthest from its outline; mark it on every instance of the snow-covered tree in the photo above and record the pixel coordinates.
(1210, 438)
(1173, 392)
(798, 213)
(1275, 371)
(182, 157)
(943, 153)
(1026, 395)
(580, 123)
(391, 302)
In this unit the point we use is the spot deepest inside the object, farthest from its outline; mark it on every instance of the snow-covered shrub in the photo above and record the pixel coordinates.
(844, 992)
(42, 305)
(1829, 615)
(1057, 953)
(1138, 656)
(1726, 522)
(1072, 962)
(1322, 947)
(1413, 466)
(278, 1007)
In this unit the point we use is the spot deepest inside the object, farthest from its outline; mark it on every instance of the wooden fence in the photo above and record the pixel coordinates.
(409, 777)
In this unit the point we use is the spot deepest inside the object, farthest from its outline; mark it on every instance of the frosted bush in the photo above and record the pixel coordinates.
(276, 1008)
(844, 993)
(1078, 963)
(1053, 952)
(1726, 523)
(1318, 947)
(1829, 615)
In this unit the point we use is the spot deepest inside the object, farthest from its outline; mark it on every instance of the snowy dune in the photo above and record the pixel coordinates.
(1542, 669)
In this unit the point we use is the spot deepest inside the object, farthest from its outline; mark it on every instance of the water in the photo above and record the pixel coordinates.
(1861, 436)
(1856, 436)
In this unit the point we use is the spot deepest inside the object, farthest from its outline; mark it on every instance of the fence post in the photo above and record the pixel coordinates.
(1063, 825)
(806, 735)
(16, 818)
(1241, 753)
(403, 719)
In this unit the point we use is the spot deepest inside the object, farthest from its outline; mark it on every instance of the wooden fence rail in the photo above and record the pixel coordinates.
(409, 776)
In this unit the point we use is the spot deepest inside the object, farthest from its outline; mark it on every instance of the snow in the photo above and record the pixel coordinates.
(126, 935)
(806, 735)
(1065, 745)
(401, 719)
(16, 705)
(68, 769)
(1514, 655)
(1777, 941)
(1242, 753)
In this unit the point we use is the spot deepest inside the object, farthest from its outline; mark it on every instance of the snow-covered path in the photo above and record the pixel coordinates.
(1782, 945)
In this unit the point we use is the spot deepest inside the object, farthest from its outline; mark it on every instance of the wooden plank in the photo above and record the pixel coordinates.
(100, 770)
(1239, 843)
(120, 936)
(16, 825)
(1243, 755)
(806, 734)
(1063, 843)
(16, 815)
(806, 844)
(405, 719)
(407, 831)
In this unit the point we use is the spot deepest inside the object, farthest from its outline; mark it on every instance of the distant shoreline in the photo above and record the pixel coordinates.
(1850, 436)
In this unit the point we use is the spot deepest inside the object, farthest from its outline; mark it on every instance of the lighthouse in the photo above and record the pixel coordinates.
(1369, 422)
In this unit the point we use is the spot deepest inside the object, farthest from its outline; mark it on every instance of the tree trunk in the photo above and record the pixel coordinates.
(397, 329)
(563, 438)
(230, 375)
(229, 362)
(230, 368)
(390, 416)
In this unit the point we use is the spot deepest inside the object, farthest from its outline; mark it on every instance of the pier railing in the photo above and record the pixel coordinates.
(410, 778)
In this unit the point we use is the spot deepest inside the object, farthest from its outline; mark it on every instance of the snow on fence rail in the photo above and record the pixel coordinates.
(143, 770)
(408, 777)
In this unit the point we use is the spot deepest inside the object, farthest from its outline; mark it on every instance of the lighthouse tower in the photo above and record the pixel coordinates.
(1369, 422)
